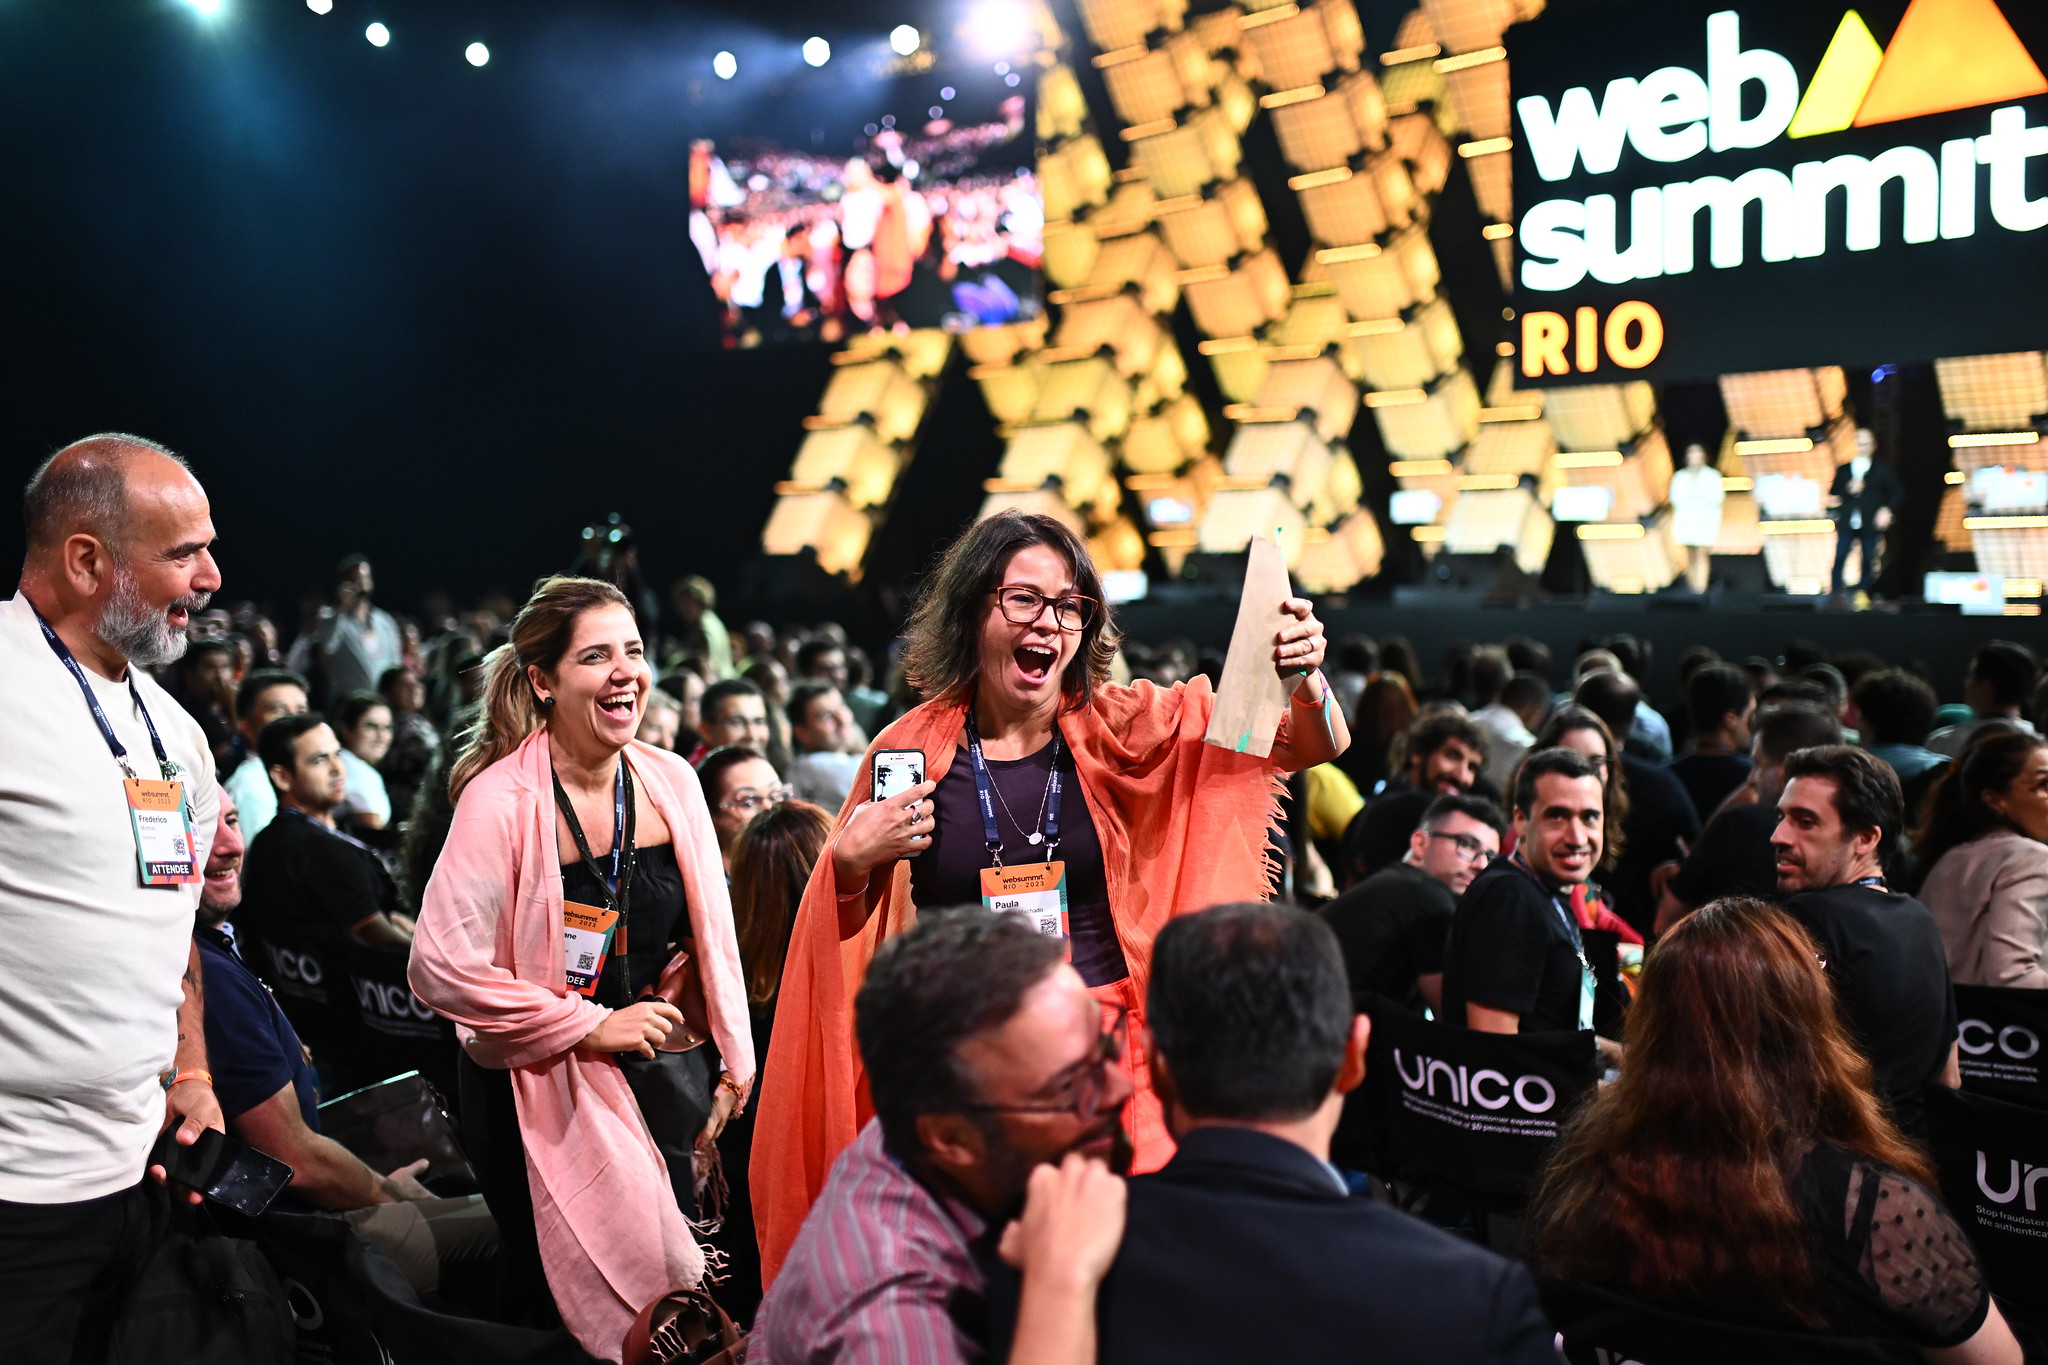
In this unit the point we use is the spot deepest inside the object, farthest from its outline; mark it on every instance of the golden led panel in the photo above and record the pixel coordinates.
(1479, 99)
(1088, 390)
(1468, 25)
(1316, 389)
(1425, 345)
(1648, 562)
(824, 522)
(1444, 422)
(1313, 323)
(1140, 261)
(851, 456)
(878, 390)
(1119, 325)
(1772, 404)
(1010, 391)
(1062, 109)
(1238, 301)
(1210, 229)
(1070, 251)
(1598, 416)
(1235, 515)
(1344, 212)
(1144, 86)
(1994, 392)
(1493, 188)
(1113, 24)
(1482, 522)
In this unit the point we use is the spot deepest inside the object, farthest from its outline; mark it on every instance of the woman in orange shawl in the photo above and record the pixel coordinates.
(1011, 648)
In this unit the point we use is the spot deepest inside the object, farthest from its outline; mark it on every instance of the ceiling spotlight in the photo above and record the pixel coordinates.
(817, 51)
(320, 6)
(725, 66)
(477, 54)
(1000, 28)
(209, 8)
(377, 34)
(904, 39)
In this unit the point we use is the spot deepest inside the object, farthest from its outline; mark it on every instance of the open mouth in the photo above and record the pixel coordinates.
(618, 705)
(1035, 663)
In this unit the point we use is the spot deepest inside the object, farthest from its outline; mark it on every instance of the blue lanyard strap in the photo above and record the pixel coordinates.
(992, 838)
(63, 652)
(613, 879)
(1571, 926)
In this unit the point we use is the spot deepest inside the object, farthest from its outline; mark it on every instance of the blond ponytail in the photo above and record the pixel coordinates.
(540, 636)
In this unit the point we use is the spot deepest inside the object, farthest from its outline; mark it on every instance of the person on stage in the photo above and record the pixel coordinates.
(580, 869)
(1697, 494)
(1036, 767)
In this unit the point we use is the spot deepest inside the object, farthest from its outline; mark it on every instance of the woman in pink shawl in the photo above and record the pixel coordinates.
(558, 806)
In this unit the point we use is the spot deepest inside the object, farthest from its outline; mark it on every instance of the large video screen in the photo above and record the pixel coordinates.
(909, 200)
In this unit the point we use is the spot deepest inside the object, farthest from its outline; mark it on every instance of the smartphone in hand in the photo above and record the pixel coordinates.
(896, 771)
(222, 1169)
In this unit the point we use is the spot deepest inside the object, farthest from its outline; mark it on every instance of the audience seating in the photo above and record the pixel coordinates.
(1598, 1327)
(1473, 1115)
(1993, 1161)
(2003, 1029)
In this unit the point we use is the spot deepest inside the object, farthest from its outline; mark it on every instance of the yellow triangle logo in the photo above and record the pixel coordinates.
(1947, 54)
(1839, 84)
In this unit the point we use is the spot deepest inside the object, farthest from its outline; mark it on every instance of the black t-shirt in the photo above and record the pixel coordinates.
(1733, 857)
(1392, 928)
(1884, 956)
(949, 872)
(1708, 778)
(304, 890)
(1510, 948)
(1659, 815)
(1378, 836)
(655, 920)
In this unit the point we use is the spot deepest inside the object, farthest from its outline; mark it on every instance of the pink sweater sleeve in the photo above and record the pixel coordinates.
(485, 972)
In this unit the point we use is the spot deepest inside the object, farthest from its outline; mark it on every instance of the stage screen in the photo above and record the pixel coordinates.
(895, 192)
(1714, 186)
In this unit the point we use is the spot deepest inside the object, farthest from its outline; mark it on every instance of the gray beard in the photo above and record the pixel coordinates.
(142, 633)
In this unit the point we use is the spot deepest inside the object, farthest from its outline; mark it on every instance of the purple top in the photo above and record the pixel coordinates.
(949, 872)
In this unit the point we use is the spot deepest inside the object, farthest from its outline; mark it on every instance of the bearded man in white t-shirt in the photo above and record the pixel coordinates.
(107, 808)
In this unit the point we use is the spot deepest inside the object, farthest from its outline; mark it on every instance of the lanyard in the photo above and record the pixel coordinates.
(1571, 926)
(1876, 882)
(992, 837)
(326, 828)
(622, 835)
(63, 652)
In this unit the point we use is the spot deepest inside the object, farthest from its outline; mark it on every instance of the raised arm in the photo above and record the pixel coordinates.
(1316, 732)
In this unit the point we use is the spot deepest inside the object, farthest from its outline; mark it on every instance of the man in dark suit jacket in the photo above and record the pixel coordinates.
(1248, 1245)
(1860, 500)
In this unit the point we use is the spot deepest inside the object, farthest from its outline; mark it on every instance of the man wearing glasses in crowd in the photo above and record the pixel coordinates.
(1392, 924)
(992, 1070)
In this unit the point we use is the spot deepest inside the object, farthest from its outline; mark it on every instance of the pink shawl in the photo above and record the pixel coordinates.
(488, 955)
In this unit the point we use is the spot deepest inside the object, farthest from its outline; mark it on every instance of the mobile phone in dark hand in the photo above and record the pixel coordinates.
(222, 1169)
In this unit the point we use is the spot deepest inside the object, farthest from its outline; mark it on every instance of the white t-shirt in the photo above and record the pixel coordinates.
(90, 979)
(365, 793)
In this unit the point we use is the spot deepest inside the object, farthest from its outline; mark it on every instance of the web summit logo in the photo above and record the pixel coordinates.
(1946, 55)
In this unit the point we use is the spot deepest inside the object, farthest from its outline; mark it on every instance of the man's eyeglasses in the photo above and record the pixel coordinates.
(1469, 849)
(1023, 607)
(1084, 1093)
(751, 802)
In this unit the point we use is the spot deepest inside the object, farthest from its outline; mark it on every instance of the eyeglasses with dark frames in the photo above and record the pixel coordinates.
(1023, 606)
(1469, 848)
(1090, 1083)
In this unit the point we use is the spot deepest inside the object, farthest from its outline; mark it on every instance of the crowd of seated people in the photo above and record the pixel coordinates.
(1799, 857)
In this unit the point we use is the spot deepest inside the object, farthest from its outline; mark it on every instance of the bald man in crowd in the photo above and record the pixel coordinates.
(107, 808)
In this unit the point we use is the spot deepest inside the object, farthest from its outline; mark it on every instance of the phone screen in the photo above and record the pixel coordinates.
(896, 771)
(223, 1170)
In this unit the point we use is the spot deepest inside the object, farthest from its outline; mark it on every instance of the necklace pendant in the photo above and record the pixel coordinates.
(1034, 838)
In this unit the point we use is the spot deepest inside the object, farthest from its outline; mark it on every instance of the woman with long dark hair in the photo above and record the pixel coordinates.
(579, 886)
(1742, 1169)
(1097, 808)
(1984, 845)
(771, 863)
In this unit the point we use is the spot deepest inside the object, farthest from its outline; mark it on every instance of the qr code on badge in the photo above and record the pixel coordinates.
(585, 961)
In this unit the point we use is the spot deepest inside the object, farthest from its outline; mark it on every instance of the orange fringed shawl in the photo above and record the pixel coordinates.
(1183, 827)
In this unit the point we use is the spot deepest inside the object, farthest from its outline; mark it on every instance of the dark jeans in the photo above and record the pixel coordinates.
(66, 1268)
(1844, 538)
